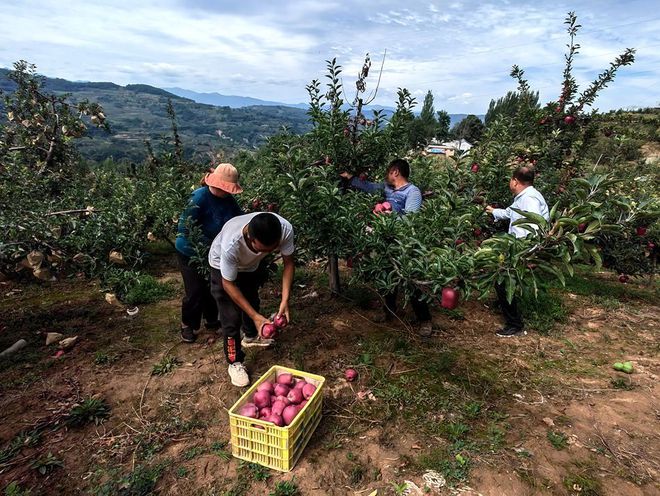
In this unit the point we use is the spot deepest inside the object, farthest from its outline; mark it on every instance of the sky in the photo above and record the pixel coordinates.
(462, 51)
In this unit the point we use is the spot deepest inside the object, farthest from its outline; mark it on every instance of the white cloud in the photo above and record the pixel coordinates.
(463, 51)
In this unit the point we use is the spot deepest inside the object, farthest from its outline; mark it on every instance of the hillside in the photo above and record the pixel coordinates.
(138, 112)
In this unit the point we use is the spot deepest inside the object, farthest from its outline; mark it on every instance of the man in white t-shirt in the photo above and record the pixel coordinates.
(238, 271)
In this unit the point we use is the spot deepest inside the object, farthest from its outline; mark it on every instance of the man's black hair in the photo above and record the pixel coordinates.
(265, 228)
(400, 165)
(525, 175)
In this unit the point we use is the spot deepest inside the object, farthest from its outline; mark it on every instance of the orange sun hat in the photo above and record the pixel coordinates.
(224, 177)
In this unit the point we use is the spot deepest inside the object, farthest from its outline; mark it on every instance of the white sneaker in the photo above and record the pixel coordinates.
(255, 341)
(238, 374)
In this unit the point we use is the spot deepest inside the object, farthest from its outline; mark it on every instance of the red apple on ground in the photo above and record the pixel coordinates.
(350, 375)
(449, 298)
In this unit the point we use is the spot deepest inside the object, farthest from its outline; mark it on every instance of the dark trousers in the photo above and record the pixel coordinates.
(512, 316)
(420, 307)
(231, 315)
(198, 301)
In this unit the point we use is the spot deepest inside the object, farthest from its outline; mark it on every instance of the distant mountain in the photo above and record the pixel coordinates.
(206, 121)
(234, 101)
(138, 112)
(231, 101)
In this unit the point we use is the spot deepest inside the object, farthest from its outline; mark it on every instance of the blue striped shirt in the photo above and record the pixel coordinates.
(404, 200)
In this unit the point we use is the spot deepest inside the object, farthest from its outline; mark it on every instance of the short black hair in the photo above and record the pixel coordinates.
(400, 165)
(265, 228)
(524, 174)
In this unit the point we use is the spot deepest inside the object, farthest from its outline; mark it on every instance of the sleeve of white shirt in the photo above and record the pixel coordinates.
(502, 213)
(228, 265)
(286, 246)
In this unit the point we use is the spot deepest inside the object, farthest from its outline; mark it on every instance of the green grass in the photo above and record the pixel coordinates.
(166, 365)
(193, 452)
(558, 439)
(285, 488)
(140, 482)
(545, 311)
(90, 410)
(219, 448)
(601, 289)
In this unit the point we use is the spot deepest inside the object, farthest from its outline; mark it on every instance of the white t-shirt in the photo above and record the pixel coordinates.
(230, 254)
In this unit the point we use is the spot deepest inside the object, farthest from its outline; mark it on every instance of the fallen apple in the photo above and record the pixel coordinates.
(350, 375)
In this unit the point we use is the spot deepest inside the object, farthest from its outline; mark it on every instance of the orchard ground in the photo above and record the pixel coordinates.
(543, 414)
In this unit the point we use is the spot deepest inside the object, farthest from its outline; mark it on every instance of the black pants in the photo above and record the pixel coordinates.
(231, 315)
(512, 316)
(198, 301)
(420, 307)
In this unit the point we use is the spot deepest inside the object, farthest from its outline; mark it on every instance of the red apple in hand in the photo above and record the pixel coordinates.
(449, 298)
(280, 321)
(387, 206)
(268, 331)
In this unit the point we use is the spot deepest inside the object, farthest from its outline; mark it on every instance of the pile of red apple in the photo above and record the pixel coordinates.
(382, 208)
(279, 402)
(271, 331)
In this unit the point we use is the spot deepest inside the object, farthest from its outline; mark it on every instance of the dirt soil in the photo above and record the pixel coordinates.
(540, 414)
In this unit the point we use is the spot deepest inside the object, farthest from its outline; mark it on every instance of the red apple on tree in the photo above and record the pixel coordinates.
(623, 278)
(449, 299)
(475, 168)
(477, 231)
(363, 176)
(641, 231)
(569, 119)
(256, 204)
(582, 227)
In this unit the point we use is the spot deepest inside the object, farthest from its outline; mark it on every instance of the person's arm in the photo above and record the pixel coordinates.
(287, 282)
(366, 186)
(499, 213)
(237, 297)
(413, 201)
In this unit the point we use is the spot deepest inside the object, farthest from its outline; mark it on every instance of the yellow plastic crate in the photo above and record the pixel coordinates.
(264, 443)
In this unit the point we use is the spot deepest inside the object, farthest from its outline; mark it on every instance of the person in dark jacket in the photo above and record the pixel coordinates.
(210, 207)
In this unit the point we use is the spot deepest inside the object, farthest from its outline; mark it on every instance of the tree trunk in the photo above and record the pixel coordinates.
(333, 273)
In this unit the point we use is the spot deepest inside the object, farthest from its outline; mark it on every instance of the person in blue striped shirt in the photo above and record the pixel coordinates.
(405, 198)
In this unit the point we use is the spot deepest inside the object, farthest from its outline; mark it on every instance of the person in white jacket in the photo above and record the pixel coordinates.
(527, 199)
